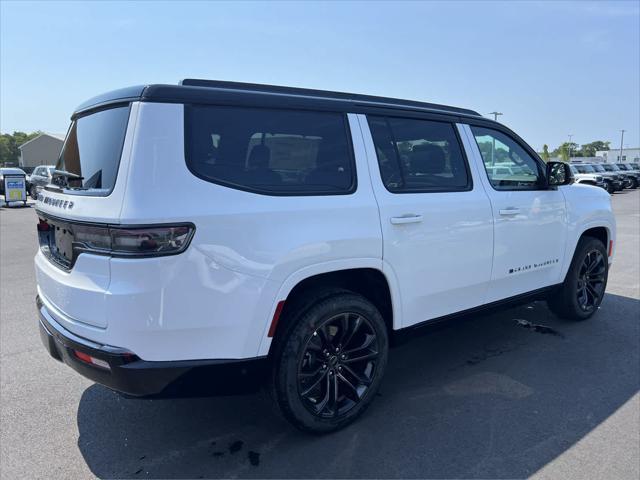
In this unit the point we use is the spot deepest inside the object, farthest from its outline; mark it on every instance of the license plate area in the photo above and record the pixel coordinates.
(56, 242)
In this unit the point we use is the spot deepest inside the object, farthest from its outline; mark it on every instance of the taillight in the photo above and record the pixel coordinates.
(132, 242)
(43, 226)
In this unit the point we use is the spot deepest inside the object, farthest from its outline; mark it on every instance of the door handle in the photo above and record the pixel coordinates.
(406, 219)
(509, 211)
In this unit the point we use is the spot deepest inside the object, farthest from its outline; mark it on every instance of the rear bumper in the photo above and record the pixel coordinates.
(127, 373)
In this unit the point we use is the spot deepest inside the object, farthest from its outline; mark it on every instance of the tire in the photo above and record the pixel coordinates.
(338, 344)
(634, 183)
(608, 188)
(33, 192)
(583, 289)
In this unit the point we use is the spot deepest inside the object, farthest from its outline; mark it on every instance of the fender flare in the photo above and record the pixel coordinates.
(571, 249)
(327, 267)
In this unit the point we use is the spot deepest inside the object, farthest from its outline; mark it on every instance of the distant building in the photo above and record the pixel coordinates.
(41, 150)
(613, 155)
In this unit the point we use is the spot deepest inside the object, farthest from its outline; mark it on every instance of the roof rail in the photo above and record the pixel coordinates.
(307, 92)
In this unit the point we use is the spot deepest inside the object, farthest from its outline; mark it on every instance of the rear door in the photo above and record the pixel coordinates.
(435, 215)
(530, 219)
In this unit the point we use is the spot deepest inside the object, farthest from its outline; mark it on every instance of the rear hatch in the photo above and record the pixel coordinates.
(85, 195)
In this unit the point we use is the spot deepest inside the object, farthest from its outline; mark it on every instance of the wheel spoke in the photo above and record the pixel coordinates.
(314, 384)
(353, 331)
(593, 292)
(366, 344)
(361, 358)
(350, 387)
(362, 380)
(334, 391)
(321, 406)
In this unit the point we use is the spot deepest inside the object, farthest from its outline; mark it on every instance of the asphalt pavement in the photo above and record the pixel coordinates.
(480, 397)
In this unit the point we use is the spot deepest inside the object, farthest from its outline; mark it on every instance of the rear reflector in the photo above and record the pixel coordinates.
(91, 360)
(610, 247)
(43, 226)
(276, 317)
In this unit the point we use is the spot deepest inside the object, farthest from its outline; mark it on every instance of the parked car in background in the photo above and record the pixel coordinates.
(631, 172)
(28, 171)
(586, 175)
(40, 177)
(216, 234)
(628, 181)
(615, 180)
(9, 171)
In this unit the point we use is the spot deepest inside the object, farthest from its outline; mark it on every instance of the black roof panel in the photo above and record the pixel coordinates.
(222, 92)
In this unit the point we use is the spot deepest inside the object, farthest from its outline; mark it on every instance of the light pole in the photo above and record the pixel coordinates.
(493, 143)
(621, 141)
(570, 137)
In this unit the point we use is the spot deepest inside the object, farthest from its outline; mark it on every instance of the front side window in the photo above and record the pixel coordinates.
(270, 151)
(91, 152)
(418, 155)
(508, 165)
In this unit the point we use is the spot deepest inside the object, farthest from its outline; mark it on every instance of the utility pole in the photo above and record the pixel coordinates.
(495, 115)
(493, 144)
(570, 137)
(621, 141)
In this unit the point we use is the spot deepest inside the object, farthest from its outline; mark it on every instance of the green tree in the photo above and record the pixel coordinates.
(567, 150)
(590, 149)
(545, 153)
(9, 151)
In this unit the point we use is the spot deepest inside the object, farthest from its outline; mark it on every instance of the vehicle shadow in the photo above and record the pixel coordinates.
(497, 395)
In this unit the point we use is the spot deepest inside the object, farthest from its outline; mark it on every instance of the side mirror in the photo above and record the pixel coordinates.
(558, 174)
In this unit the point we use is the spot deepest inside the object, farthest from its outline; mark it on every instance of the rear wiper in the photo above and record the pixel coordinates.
(66, 175)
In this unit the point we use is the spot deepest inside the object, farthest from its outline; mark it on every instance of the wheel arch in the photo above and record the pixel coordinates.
(301, 289)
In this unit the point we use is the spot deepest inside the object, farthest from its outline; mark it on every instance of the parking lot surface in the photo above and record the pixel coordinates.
(480, 397)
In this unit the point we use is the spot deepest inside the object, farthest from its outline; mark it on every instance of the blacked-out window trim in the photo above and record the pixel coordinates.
(272, 193)
(467, 188)
(542, 171)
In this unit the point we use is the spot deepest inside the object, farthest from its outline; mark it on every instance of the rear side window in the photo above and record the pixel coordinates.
(92, 150)
(418, 155)
(277, 152)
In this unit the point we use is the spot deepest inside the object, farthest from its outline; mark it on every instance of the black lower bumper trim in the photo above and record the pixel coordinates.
(130, 375)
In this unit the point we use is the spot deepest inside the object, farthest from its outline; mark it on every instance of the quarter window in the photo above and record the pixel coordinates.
(508, 165)
(269, 151)
(418, 155)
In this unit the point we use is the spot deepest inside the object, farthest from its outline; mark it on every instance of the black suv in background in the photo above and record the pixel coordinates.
(631, 172)
(629, 180)
(615, 179)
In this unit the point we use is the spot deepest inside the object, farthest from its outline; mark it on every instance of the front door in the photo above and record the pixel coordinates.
(435, 216)
(530, 219)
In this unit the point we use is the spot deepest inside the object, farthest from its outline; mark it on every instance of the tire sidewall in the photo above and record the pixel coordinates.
(286, 365)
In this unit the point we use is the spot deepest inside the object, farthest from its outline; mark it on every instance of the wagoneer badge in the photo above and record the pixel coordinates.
(56, 202)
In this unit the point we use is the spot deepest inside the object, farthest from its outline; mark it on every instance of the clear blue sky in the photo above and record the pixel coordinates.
(552, 68)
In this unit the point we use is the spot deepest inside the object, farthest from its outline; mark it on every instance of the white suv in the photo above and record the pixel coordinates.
(220, 236)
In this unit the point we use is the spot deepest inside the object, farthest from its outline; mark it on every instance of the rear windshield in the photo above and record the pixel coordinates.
(92, 151)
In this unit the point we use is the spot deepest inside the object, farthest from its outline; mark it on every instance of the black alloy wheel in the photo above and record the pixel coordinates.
(338, 365)
(580, 295)
(591, 281)
(329, 359)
